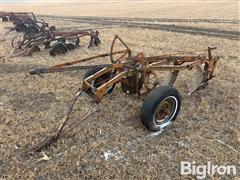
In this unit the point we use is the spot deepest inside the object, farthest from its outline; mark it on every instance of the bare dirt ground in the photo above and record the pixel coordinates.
(114, 143)
(150, 23)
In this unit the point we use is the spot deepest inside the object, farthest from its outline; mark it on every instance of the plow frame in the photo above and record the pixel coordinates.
(125, 66)
(28, 44)
(5, 16)
(22, 21)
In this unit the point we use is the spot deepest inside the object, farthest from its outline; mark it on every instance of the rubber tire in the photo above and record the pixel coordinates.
(151, 102)
(92, 71)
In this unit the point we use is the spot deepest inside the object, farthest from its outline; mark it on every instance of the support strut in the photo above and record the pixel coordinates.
(63, 128)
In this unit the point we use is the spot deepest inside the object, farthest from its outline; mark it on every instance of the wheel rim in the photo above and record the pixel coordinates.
(17, 41)
(165, 111)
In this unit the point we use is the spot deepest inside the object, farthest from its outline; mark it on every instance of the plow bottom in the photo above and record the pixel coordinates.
(197, 80)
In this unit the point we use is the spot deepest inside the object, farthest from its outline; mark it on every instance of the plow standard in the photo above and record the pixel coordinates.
(136, 74)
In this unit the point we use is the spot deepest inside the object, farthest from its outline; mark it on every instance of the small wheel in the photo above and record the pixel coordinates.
(58, 48)
(16, 42)
(160, 108)
(100, 80)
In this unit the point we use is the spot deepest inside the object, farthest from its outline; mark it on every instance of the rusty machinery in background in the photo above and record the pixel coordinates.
(57, 42)
(5, 16)
(25, 22)
(136, 74)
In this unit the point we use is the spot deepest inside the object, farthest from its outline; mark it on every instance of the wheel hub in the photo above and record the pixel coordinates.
(164, 110)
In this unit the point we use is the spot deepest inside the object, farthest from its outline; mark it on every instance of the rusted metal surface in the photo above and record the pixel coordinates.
(5, 16)
(22, 15)
(25, 22)
(57, 42)
(136, 73)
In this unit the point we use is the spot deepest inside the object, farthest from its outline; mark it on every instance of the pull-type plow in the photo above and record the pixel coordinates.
(58, 42)
(25, 22)
(137, 74)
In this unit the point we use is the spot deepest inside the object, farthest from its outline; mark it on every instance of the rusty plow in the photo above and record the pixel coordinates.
(152, 78)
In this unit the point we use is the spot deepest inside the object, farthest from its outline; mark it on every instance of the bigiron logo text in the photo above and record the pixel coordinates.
(209, 169)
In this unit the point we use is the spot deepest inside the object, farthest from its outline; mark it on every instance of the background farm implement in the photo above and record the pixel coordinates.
(57, 42)
(25, 22)
(150, 77)
(5, 16)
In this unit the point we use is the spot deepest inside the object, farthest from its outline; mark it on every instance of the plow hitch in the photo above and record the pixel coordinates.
(65, 127)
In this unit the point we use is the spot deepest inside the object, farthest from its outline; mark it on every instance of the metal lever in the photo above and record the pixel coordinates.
(63, 128)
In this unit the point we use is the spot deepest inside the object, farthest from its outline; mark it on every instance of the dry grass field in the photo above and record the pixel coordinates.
(114, 144)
